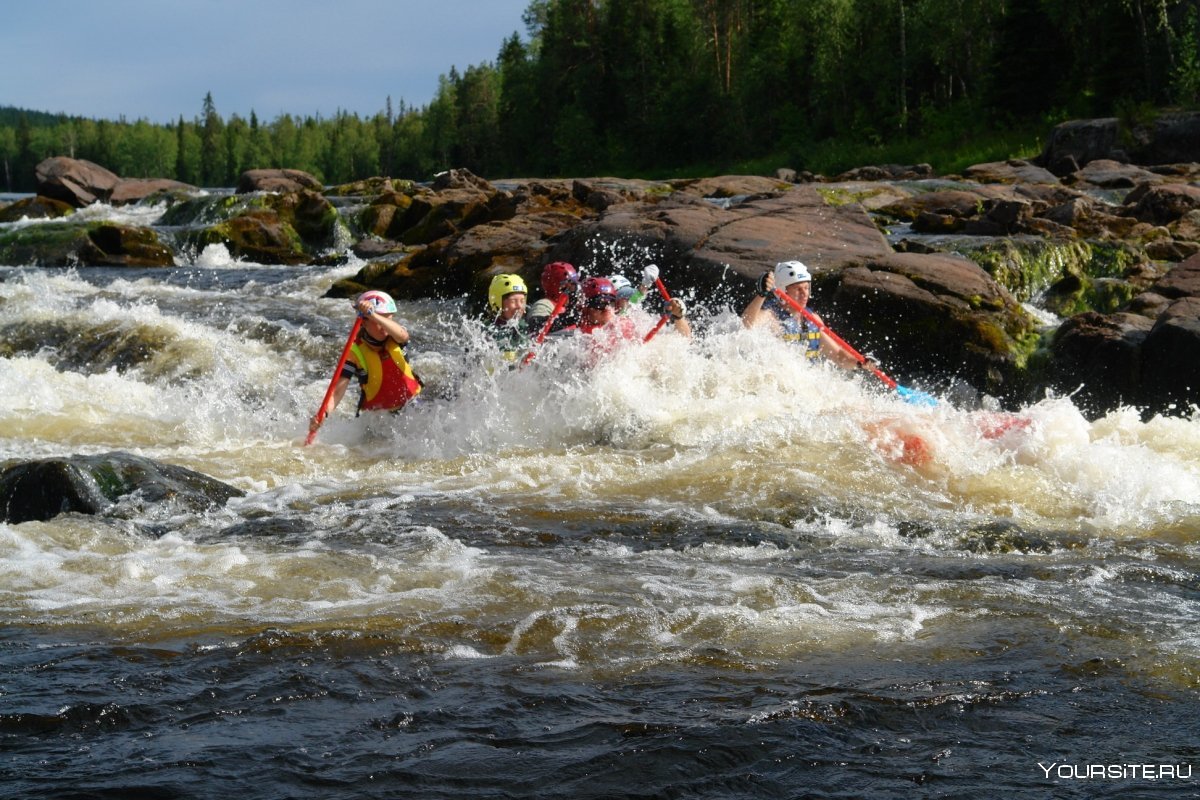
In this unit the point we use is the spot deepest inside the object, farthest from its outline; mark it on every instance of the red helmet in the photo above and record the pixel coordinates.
(599, 292)
(559, 277)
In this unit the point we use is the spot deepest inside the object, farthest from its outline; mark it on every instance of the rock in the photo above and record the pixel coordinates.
(276, 180)
(1001, 218)
(888, 172)
(43, 489)
(133, 190)
(786, 174)
(1109, 174)
(74, 180)
(1172, 137)
(958, 203)
(1171, 359)
(259, 235)
(112, 245)
(1187, 227)
(1097, 359)
(1161, 204)
(1183, 280)
(730, 186)
(1080, 141)
(708, 244)
(92, 244)
(931, 315)
(38, 207)
(460, 179)
(1011, 171)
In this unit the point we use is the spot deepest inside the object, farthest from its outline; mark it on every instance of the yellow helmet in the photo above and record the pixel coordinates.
(504, 285)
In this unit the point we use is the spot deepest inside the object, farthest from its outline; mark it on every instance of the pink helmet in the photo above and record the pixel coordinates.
(558, 278)
(599, 292)
(382, 302)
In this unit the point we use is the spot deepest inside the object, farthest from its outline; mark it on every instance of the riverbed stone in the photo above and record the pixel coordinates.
(44, 488)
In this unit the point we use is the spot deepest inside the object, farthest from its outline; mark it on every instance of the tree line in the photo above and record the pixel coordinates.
(643, 87)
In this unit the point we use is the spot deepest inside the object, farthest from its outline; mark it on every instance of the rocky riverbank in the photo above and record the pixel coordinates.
(1079, 273)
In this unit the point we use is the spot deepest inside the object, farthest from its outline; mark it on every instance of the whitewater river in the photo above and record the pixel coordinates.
(698, 569)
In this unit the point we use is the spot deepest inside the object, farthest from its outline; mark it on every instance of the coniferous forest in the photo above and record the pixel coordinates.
(659, 87)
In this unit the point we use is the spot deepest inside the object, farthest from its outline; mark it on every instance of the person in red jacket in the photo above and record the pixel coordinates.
(376, 360)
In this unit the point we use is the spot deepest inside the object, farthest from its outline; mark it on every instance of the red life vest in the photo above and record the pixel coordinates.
(390, 382)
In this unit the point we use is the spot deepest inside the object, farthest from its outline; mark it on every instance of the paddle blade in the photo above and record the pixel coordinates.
(916, 397)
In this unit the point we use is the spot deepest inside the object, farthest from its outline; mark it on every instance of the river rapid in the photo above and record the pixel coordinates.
(693, 569)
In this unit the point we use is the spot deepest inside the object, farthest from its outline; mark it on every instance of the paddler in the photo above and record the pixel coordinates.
(376, 360)
(791, 325)
(506, 303)
(600, 304)
(560, 287)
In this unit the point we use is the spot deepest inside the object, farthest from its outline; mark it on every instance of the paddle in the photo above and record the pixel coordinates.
(559, 307)
(337, 373)
(908, 395)
(662, 289)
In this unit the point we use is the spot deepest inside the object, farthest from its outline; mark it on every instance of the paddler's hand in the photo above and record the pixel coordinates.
(677, 308)
(649, 275)
(766, 284)
(867, 364)
(314, 424)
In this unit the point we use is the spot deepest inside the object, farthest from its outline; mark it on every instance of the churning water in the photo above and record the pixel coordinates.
(693, 569)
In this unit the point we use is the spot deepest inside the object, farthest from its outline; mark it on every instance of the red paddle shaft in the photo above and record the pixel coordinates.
(859, 357)
(662, 289)
(559, 307)
(337, 373)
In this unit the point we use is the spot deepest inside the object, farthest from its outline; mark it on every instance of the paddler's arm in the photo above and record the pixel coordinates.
(398, 332)
(752, 314)
(678, 311)
(834, 352)
(394, 329)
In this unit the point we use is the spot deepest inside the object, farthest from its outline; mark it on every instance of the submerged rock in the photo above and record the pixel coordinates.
(43, 489)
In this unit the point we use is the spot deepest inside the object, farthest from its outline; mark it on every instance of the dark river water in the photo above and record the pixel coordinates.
(695, 569)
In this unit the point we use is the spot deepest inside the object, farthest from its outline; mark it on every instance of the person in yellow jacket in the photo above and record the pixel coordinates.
(376, 360)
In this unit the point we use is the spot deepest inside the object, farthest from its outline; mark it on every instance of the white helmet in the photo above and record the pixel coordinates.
(789, 272)
(622, 285)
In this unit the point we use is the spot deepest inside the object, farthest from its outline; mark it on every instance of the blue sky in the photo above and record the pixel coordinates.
(156, 59)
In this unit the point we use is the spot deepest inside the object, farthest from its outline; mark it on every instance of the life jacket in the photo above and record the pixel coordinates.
(795, 330)
(513, 339)
(386, 383)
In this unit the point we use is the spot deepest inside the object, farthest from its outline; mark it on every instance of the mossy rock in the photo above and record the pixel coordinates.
(38, 207)
(259, 236)
(96, 244)
(371, 187)
(309, 214)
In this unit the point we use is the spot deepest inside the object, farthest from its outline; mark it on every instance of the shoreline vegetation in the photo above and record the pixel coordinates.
(682, 88)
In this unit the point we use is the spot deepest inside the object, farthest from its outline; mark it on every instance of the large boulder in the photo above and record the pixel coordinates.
(134, 190)
(1129, 358)
(1075, 143)
(1170, 138)
(1171, 359)
(276, 180)
(932, 315)
(74, 180)
(45, 488)
(704, 244)
(1097, 358)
